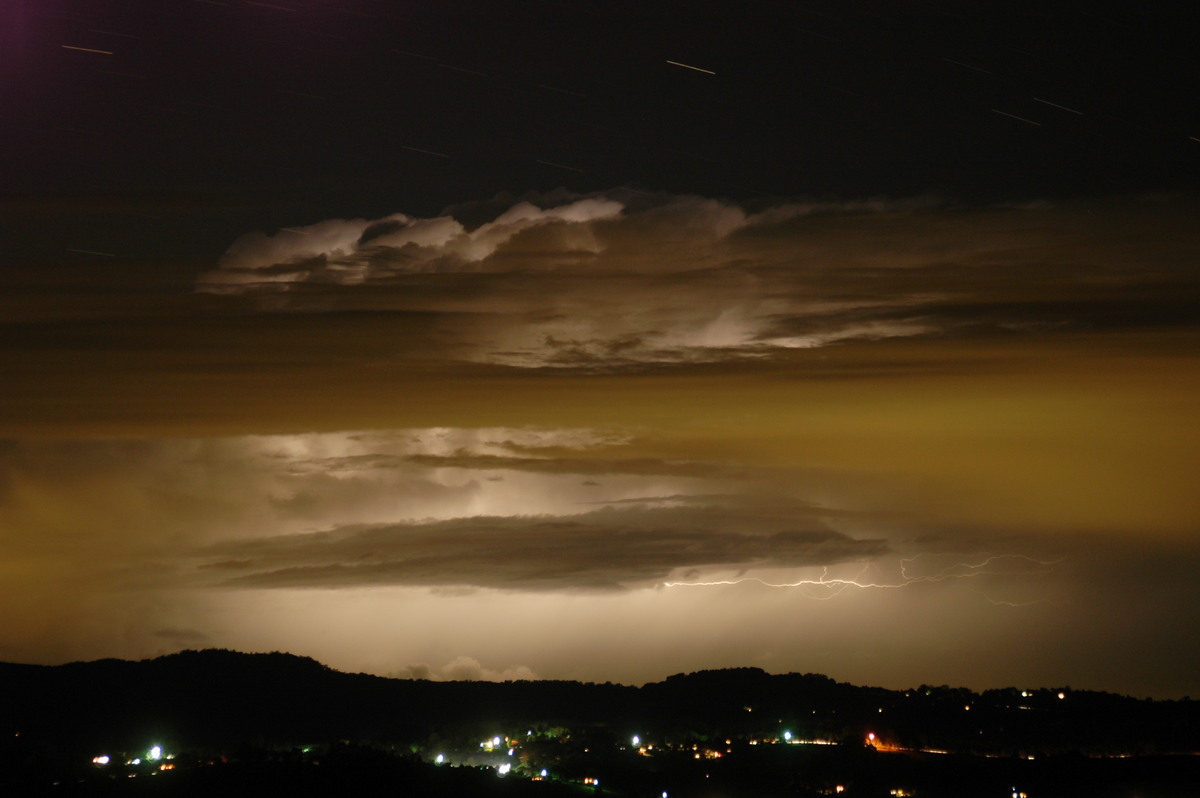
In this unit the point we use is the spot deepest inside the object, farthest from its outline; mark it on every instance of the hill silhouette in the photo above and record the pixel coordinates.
(213, 697)
(251, 710)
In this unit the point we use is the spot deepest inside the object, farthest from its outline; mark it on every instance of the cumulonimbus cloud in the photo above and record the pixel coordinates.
(356, 251)
(624, 280)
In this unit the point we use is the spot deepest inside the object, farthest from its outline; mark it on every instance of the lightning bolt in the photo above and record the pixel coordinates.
(826, 587)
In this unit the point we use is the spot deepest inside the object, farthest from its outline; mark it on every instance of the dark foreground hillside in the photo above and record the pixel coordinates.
(224, 723)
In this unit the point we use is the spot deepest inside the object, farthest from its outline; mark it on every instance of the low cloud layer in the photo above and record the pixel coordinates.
(602, 550)
(480, 547)
(561, 510)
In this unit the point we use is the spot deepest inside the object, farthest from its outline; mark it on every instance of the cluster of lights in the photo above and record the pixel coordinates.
(642, 748)
(494, 743)
(155, 754)
(788, 738)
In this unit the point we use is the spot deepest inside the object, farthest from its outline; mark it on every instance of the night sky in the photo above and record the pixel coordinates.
(605, 340)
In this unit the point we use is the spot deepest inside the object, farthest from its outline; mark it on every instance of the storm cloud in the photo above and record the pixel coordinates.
(620, 279)
(883, 439)
(602, 550)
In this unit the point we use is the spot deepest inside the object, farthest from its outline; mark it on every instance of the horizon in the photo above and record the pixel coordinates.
(495, 679)
(1031, 689)
(538, 340)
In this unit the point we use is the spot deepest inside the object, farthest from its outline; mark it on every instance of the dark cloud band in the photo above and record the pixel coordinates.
(602, 550)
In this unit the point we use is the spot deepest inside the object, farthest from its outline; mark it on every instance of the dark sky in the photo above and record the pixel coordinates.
(604, 340)
(216, 117)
